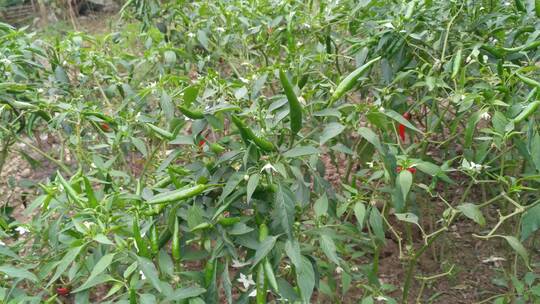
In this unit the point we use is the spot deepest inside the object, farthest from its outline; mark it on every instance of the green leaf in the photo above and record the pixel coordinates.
(284, 207)
(139, 144)
(471, 127)
(360, 213)
(473, 212)
(165, 263)
(292, 249)
(68, 258)
(185, 293)
(167, 108)
(4, 250)
(332, 130)
(170, 57)
(190, 94)
(100, 266)
(376, 224)
(252, 184)
(530, 222)
(371, 137)
(61, 75)
(301, 151)
(150, 272)
(400, 119)
(329, 248)
(321, 206)
(404, 180)
(18, 273)
(203, 39)
(518, 247)
(305, 278)
(101, 238)
(407, 217)
(264, 248)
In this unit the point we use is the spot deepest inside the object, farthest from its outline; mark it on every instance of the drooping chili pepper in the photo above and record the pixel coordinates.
(401, 127)
(537, 8)
(348, 83)
(154, 239)
(190, 113)
(216, 148)
(520, 7)
(248, 135)
(178, 194)
(176, 242)
(261, 277)
(295, 109)
(159, 131)
(139, 241)
(456, 65)
(494, 51)
(62, 291)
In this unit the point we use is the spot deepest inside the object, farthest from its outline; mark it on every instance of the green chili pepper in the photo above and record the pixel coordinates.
(348, 83)
(228, 221)
(537, 8)
(527, 47)
(261, 285)
(295, 109)
(528, 111)
(154, 239)
(178, 195)
(139, 241)
(159, 131)
(209, 272)
(176, 241)
(132, 296)
(494, 51)
(270, 276)
(457, 63)
(193, 114)
(248, 135)
(216, 148)
(69, 190)
(520, 7)
(164, 238)
(92, 200)
(303, 81)
(529, 81)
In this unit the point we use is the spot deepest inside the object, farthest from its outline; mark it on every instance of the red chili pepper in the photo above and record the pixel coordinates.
(410, 169)
(402, 132)
(202, 142)
(401, 128)
(62, 291)
(105, 127)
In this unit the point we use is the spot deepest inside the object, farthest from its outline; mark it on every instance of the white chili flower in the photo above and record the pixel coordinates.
(143, 277)
(239, 264)
(268, 168)
(246, 280)
(191, 35)
(21, 230)
(2, 243)
(220, 29)
(339, 270)
(485, 116)
(370, 164)
(253, 293)
(485, 57)
(381, 298)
